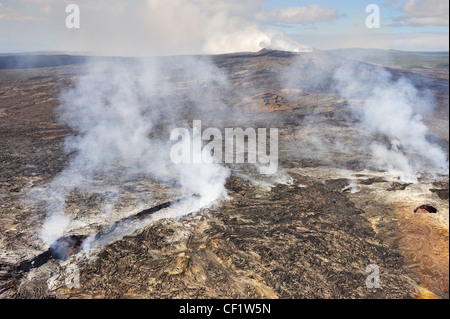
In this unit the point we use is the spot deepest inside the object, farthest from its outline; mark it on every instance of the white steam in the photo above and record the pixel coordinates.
(54, 228)
(252, 39)
(119, 110)
(386, 106)
(176, 27)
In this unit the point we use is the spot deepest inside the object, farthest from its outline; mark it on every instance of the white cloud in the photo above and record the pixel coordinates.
(9, 14)
(215, 26)
(159, 27)
(252, 39)
(425, 13)
(47, 9)
(298, 15)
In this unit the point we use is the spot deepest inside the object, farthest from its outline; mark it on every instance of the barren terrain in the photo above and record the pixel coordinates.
(309, 231)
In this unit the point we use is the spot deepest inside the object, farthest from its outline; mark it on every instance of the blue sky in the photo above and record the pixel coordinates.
(353, 12)
(154, 27)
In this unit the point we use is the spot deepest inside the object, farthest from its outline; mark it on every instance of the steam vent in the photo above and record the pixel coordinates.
(119, 172)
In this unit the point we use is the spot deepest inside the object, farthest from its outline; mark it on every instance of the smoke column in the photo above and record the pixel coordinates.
(117, 110)
(387, 106)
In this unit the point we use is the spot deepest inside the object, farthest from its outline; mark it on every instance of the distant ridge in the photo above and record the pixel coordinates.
(386, 58)
(437, 60)
(28, 61)
(276, 53)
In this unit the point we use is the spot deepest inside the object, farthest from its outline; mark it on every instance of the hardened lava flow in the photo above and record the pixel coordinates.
(65, 247)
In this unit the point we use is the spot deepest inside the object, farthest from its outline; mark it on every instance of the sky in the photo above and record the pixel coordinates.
(173, 27)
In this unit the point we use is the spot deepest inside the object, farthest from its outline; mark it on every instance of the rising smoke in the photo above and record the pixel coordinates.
(158, 27)
(385, 111)
(387, 106)
(122, 112)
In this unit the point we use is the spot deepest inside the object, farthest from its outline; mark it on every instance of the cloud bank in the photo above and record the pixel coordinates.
(424, 13)
(298, 15)
(157, 27)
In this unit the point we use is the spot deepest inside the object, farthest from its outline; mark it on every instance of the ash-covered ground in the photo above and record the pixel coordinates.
(86, 141)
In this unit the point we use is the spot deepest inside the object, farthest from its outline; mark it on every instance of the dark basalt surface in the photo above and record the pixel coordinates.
(288, 243)
(305, 239)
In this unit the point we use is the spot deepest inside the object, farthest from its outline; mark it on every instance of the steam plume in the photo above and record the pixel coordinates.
(121, 112)
(386, 106)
